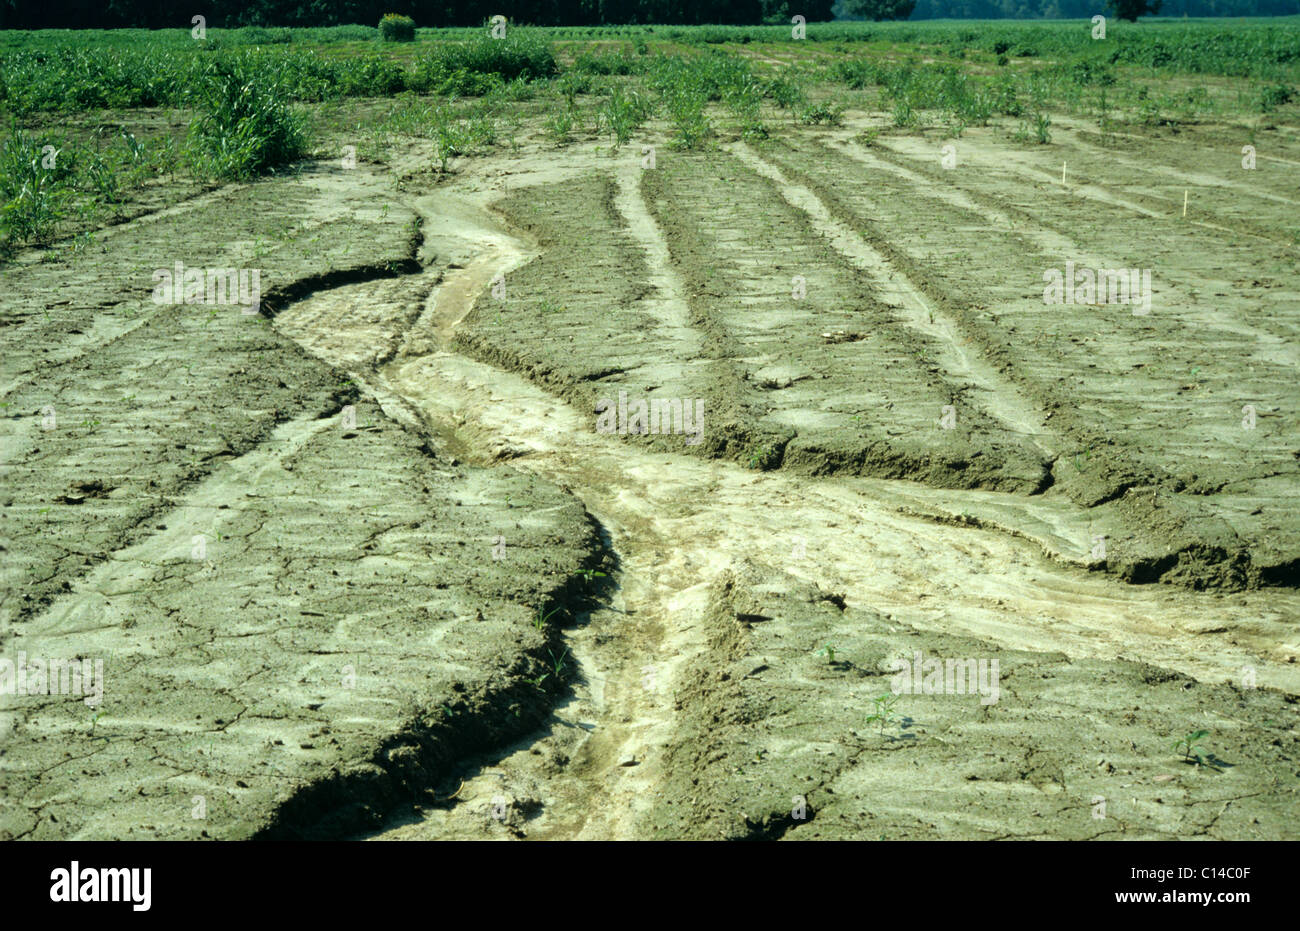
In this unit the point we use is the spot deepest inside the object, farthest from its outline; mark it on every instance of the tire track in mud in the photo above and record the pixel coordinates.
(1050, 239)
(677, 522)
(824, 369)
(1078, 126)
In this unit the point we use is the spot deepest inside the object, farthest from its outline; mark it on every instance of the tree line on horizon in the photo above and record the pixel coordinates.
(160, 14)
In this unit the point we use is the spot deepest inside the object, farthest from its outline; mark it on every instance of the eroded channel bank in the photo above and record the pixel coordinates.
(367, 625)
(757, 614)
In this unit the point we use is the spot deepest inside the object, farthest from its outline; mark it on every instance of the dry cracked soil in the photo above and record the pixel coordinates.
(365, 562)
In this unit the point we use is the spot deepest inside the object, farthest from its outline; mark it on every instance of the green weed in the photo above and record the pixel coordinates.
(884, 715)
(1190, 746)
(244, 127)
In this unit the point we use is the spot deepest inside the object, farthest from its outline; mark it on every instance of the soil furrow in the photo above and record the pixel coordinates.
(684, 522)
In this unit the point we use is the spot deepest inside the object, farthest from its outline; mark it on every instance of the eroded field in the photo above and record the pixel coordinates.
(363, 564)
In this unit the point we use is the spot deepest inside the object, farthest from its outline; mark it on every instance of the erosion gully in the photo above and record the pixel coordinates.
(677, 521)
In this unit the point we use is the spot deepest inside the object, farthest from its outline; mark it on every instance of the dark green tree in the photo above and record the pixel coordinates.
(778, 12)
(1132, 9)
(879, 9)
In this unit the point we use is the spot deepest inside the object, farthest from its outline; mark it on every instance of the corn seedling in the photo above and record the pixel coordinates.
(540, 619)
(558, 662)
(758, 456)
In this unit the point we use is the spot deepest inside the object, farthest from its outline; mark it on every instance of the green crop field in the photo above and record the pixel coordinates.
(960, 73)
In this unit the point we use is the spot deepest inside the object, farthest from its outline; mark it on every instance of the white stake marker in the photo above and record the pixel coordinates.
(1184, 202)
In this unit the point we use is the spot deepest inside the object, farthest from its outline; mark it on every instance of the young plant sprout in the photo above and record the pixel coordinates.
(1191, 748)
(884, 713)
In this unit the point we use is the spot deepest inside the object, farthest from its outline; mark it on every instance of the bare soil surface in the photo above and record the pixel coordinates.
(264, 560)
(470, 613)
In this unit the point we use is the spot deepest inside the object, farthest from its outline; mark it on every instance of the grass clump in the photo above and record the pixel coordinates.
(609, 63)
(822, 114)
(31, 200)
(623, 113)
(1274, 96)
(243, 128)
